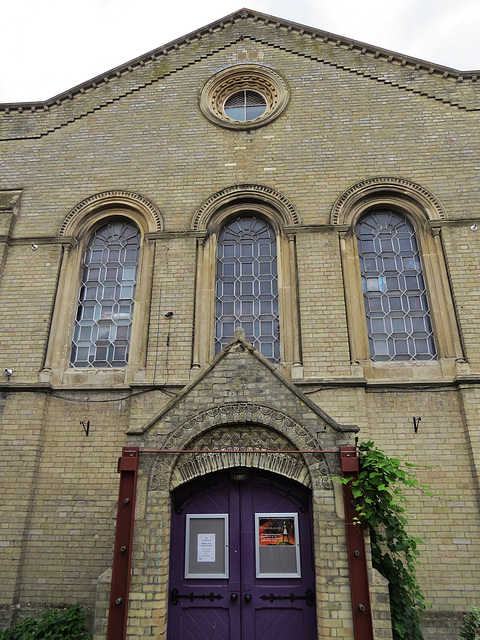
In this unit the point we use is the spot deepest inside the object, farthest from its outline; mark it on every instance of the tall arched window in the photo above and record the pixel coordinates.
(247, 285)
(103, 323)
(395, 297)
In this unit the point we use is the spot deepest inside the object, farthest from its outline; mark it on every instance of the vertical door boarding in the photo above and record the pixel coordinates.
(241, 560)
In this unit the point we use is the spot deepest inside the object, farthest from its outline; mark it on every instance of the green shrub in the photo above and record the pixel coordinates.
(471, 625)
(59, 624)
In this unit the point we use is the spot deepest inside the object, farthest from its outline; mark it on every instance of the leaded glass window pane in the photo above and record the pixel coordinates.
(394, 292)
(247, 285)
(101, 337)
(245, 105)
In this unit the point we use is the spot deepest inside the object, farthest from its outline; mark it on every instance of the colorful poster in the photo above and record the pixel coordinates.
(276, 532)
(206, 547)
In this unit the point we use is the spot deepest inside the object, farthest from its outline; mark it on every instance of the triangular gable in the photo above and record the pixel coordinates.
(241, 385)
(374, 64)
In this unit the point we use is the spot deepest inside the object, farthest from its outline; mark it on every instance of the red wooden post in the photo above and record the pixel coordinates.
(122, 554)
(357, 561)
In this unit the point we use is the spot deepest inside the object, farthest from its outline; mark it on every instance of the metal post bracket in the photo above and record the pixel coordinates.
(122, 555)
(357, 561)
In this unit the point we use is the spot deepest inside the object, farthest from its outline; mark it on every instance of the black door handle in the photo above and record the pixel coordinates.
(248, 597)
(234, 597)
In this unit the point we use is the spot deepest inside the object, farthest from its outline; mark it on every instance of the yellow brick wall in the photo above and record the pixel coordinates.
(170, 339)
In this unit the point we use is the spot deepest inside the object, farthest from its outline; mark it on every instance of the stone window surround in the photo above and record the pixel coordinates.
(274, 207)
(76, 231)
(422, 209)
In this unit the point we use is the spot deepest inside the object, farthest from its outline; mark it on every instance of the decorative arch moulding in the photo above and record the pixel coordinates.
(344, 208)
(243, 411)
(199, 464)
(221, 447)
(246, 413)
(111, 200)
(250, 193)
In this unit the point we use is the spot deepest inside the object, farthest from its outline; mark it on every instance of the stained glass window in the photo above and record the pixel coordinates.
(247, 285)
(103, 323)
(395, 297)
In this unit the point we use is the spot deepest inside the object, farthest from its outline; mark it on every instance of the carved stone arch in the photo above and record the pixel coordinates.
(412, 198)
(244, 195)
(192, 465)
(240, 413)
(234, 427)
(94, 208)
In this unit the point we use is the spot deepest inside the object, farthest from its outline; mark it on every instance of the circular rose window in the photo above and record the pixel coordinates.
(244, 97)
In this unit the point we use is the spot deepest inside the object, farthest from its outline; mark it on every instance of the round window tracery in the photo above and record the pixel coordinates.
(245, 105)
(244, 96)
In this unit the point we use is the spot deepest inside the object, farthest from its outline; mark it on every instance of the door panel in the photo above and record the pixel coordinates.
(271, 624)
(205, 623)
(242, 606)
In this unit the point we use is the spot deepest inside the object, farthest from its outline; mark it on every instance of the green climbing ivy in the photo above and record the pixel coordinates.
(381, 509)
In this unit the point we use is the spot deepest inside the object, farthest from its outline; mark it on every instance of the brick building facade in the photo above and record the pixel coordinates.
(315, 191)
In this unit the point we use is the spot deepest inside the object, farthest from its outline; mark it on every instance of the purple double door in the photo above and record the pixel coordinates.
(242, 559)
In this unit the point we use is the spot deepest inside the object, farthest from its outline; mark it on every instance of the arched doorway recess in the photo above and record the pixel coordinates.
(241, 558)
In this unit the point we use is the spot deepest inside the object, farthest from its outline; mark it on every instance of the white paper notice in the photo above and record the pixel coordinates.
(206, 547)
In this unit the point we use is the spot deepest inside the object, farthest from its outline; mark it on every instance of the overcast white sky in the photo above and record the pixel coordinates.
(49, 46)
